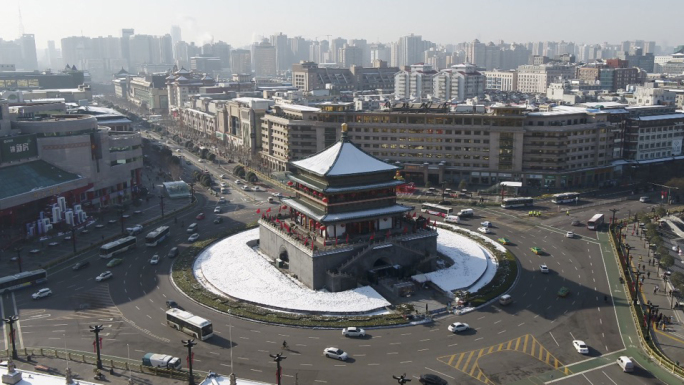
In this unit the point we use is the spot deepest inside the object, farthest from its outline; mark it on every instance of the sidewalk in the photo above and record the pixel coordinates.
(669, 338)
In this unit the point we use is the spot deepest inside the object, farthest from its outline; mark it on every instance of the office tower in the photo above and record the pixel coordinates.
(409, 50)
(222, 50)
(27, 43)
(51, 55)
(241, 61)
(126, 33)
(76, 50)
(175, 37)
(283, 61)
(166, 49)
(264, 59)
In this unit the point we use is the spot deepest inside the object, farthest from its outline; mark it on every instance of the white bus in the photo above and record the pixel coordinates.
(157, 236)
(509, 203)
(24, 279)
(595, 222)
(571, 197)
(434, 209)
(119, 246)
(189, 323)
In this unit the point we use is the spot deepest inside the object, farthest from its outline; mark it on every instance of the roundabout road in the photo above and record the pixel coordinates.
(532, 335)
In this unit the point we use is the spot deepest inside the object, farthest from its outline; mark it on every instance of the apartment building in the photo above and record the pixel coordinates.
(416, 82)
(309, 76)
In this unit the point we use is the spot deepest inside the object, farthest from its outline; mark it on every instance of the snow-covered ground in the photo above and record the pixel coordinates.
(233, 268)
(469, 261)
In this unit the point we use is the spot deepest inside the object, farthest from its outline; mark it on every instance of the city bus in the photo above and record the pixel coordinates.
(157, 236)
(434, 209)
(24, 279)
(595, 222)
(119, 246)
(509, 203)
(570, 197)
(189, 323)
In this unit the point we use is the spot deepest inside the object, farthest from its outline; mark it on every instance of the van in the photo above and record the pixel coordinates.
(625, 364)
(452, 219)
(192, 228)
(466, 213)
(505, 299)
(644, 199)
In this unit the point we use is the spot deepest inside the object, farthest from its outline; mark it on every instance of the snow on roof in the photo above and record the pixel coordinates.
(225, 380)
(343, 158)
(298, 107)
(37, 378)
(660, 117)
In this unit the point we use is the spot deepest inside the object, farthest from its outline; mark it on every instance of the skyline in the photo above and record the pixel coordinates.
(511, 22)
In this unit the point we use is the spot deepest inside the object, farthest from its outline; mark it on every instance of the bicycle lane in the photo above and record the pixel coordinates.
(630, 337)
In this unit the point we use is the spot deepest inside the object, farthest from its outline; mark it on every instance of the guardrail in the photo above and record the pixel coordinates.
(652, 349)
(109, 362)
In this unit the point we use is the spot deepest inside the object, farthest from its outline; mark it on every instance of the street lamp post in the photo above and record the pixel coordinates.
(10, 321)
(189, 344)
(73, 237)
(18, 250)
(277, 358)
(121, 219)
(161, 204)
(613, 211)
(97, 329)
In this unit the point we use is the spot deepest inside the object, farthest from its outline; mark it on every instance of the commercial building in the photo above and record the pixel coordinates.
(61, 164)
(264, 59)
(19, 80)
(182, 84)
(241, 61)
(309, 76)
(564, 146)
(536, 78)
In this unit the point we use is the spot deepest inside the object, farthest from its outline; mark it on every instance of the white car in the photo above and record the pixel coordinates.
(336, 353)
(224, 184)
(42, 293)
(486, 224)
(193, 237)
(217, 210)
(103, 276)
(569, 234)
(277, 194)
(222, 176)
(353, 332)
(458, 327)
(256, 188)
(484, 230)
(135, 230)
(154, 260)
(544, 269)
(246, 188)
(238, 181)
(580, 346)
(201, 160)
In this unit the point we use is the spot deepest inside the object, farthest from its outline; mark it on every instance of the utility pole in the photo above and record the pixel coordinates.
(73, 237)
(97, 329)
(10, 321)
(18, 250)
(121, 219)
(161, 204)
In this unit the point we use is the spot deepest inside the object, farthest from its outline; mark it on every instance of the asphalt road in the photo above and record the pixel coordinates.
(534, 334)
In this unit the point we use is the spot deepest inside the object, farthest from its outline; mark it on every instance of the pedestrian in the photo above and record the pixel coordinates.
(649, 261)
(648, 274)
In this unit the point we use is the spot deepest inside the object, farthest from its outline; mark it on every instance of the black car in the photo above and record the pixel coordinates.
(432, 379)
(218, 220)
(171, 304)
(81, 265)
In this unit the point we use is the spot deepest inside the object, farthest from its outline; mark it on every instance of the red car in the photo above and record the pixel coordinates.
(200, 216)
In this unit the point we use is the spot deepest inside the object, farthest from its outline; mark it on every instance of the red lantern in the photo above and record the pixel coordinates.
(290, 183)
(325, 200)
(284, 207)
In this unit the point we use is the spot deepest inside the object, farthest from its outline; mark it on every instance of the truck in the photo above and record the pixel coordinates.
(164, 361)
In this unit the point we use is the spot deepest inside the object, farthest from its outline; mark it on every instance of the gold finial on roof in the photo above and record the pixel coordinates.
(344, 127)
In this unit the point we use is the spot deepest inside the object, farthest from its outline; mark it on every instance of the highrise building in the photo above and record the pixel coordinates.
(299, 48)
(409, 50)
(335, 46)
(282, 52)
(126, 34)
(52, 58)
(379, 51)
(362, 44)
(350, 55)
(241, 61)
(475, 53)
(415, 83)
(175, 37)
(27, 43)
(264, 59)
(166, 49)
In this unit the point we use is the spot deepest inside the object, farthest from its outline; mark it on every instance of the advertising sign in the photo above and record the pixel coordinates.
(18, 147)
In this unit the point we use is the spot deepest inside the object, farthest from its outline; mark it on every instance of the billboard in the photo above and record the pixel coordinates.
(15, 148)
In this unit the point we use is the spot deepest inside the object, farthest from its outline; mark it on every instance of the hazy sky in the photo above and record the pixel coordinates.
(238, 22)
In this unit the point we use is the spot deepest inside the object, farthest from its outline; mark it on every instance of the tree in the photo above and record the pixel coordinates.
(463, 185)
(677, 279)
(212, 157)
(666, 260)
(428, 184)
(238, 170)
(662, 251)
(251, 177)
(660, 211)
